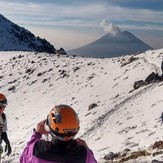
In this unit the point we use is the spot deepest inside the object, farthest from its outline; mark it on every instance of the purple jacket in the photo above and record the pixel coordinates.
(32, 153)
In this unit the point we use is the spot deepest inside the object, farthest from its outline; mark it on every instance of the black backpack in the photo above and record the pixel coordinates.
(150, 78)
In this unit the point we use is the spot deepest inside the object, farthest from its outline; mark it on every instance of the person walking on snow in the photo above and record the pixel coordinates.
(62, 124)
(3, 125)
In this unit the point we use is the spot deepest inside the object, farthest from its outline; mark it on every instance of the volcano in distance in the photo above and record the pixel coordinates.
(122, 43)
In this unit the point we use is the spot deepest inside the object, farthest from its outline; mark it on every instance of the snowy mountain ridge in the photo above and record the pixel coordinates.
(122, 119)
(15, 38)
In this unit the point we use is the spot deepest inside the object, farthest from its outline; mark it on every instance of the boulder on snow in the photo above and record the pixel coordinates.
(110, 156)
(131, 59)
(156, 161)
(139, 84)
(158, 145)
(162, 116)
(60, 51)
(91, 106)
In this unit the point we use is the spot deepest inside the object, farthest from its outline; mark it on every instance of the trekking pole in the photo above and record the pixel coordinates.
(1, 149)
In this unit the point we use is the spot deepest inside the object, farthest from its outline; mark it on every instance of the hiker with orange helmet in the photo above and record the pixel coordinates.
(62, 124)
(3, 125)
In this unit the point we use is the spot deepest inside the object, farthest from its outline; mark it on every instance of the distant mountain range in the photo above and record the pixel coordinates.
(112, 46)
(16, 38)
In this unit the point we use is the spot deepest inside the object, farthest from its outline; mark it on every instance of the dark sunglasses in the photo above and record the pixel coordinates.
(3, 103)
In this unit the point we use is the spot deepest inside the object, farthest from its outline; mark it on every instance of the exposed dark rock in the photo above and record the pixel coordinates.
(76, 68)
(12, 88)
(1, 77)
(156, 161)
(131, 59)
(11, 82)
(40, 74)
(60, 51)
(30, 71)
(110, 156)
(158, 145)
(91, 76)
(91, 106)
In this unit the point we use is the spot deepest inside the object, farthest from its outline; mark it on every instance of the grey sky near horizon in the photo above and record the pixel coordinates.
(71, 24)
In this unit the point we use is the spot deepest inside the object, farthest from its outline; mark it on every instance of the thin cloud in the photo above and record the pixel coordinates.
(70, 15)
(77, 15)
(139, 27)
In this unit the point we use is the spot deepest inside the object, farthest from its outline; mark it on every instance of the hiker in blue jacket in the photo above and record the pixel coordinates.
(3, 125)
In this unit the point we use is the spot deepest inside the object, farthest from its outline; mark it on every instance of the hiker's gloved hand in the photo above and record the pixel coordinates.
(6, 140)
(41, 128)
(8, 148)
(4, 137)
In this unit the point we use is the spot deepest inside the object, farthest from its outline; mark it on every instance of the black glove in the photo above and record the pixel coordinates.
(8, 149)
(8, 146)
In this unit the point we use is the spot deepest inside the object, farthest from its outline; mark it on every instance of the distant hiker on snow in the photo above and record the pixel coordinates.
(3, 126)
(153, 77)
(62, 124)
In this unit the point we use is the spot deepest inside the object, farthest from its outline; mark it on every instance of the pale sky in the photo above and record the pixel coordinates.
(71, 24)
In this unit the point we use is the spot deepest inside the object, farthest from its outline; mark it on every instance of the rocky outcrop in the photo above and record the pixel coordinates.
(126, 155)
(16, 38)
(60, 51)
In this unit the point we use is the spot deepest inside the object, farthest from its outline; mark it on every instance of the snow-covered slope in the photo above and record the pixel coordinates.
(13, 37)
(34, 83)
(112, 45)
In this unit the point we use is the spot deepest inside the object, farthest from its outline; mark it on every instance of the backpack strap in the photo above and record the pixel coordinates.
(3, 117)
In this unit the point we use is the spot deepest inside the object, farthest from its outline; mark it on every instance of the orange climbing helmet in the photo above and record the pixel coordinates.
(3, 100)
(62, 122)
